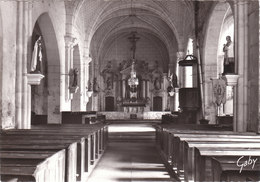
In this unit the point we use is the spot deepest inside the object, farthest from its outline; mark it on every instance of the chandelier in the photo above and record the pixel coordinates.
(133, 81)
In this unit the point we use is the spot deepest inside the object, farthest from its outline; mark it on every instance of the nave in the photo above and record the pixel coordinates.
(123, 151)
(131, 156)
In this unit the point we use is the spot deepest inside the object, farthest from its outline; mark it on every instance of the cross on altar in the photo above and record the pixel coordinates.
(133, 39)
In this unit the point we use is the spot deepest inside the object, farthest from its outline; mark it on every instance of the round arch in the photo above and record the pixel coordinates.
(210, 55)
(53, 68)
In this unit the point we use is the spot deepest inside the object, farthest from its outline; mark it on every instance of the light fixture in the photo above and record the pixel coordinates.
(133, 81)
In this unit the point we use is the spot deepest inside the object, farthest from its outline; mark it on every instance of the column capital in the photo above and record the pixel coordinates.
(70, 41)
(88, 59)
(240, 2)
(180, 55)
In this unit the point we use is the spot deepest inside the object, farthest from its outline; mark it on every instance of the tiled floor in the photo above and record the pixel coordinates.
(131, 156)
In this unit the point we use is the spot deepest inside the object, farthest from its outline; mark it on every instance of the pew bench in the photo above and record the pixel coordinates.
(33, 166)
(81, 155)
(50, 137)
(203, 163)
(244, 168)
(173, 152)
(183, 149)
(188, 158)
(70, 154)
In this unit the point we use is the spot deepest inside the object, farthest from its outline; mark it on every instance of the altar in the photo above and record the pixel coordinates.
(133, 107)
(132, 86)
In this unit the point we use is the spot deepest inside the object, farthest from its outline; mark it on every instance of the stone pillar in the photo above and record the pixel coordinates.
(165, 93)
(29, 56)
(69, 43)
(87, 78)
(143, 86)
(24, 66)
(119, 90)
(22, 92)
(246, 65)
(180, 56)
(123, 88)
(19, 59)
(148, 89)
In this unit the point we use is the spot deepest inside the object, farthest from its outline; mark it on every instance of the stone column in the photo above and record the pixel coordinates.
(246, 65)
(29, 56)
(241, 50)
(19, 59)
(69, 43)
(22, 92)
(143, 91)
(180, 56)
(148, 89)
(24, 66)
(123, 89)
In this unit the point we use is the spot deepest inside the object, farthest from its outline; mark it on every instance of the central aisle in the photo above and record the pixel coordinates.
(130, 156)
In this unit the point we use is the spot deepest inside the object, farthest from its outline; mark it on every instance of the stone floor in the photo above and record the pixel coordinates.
(131, 156)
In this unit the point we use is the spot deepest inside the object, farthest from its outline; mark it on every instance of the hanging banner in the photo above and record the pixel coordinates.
(219, 91)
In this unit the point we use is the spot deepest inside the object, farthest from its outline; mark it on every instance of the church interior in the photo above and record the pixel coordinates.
(129, 90)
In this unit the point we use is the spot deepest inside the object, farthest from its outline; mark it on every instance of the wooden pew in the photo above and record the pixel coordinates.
(203, 159)
(183, 156)
(98, 138)
(189, 155)
(163, 131)
(180, 131)
(71, 153)
(38, 166)
(169, 148)
(61, 132)
(51, 132)
(226, 168)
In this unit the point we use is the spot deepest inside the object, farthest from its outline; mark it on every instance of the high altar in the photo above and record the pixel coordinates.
(133, 88)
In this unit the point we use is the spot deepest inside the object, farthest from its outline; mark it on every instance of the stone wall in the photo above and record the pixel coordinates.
(15, 91)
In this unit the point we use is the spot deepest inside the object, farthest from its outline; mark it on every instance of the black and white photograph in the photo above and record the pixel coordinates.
(129, 90)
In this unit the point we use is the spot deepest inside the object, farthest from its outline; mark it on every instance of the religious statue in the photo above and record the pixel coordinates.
(219, 90)
(90, 88)
(133, 39)
(37, 56)
(157, 76)
(157, 83)
(108, 76)
(75, 73)
(109, 83)
(173, 80)
(95, 85)
(229, 61)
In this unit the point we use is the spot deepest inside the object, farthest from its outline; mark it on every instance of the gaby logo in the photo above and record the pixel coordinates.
(241, 162)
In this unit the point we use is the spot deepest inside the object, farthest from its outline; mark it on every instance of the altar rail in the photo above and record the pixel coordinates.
(151, 115)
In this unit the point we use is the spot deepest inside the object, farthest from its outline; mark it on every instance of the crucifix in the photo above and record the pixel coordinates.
(133, 39)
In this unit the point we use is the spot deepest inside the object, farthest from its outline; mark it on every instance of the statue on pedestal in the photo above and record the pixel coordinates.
(36, 61)
(229, 61)
(157, 76)
(108, 76)
(95, 85)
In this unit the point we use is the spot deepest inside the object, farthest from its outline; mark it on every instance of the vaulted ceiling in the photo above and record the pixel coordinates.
(167, 23)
